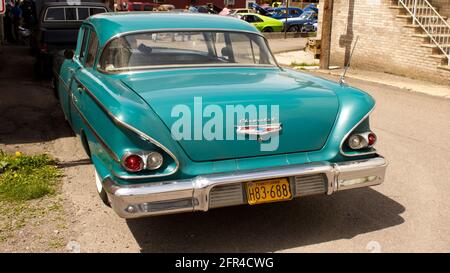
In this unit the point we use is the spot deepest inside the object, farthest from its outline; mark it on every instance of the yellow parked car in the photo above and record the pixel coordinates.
(262, 23)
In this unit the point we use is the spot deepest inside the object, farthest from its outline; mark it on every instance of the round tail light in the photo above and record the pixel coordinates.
(357, 142)
(371, 139)
(154, 160)
(133, 163)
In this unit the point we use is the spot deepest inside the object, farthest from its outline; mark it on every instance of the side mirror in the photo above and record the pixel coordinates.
(68, 54)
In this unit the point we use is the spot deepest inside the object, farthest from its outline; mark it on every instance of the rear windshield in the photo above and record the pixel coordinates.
(169, 49)
(61, 13)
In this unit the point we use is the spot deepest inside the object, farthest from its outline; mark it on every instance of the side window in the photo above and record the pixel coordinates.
(71, 14)
(250, 19)
(257, 19)
(92, 49)
(83, 43)
(94, 11)
(83, 13)
(54, 14)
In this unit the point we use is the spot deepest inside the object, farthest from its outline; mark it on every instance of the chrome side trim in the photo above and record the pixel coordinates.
(96, 135)
(142, 135)
(60, 79)
(130, 201)
(348, 134)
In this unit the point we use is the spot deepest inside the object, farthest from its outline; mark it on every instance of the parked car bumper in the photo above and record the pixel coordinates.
(226, 189)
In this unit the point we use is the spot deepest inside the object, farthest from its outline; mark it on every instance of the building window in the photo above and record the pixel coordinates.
(228, 2)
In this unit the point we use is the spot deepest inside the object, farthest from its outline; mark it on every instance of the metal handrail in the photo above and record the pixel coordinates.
(434, 25)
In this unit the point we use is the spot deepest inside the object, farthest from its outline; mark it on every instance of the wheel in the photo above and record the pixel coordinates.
(304, 30)
(101, 192)
(293, 29)
(267, 29)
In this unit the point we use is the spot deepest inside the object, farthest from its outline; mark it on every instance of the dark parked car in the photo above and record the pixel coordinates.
(305, 23)
(57, 29)
(280, 13)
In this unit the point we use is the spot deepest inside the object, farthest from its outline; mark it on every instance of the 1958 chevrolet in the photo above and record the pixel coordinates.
(189, 112)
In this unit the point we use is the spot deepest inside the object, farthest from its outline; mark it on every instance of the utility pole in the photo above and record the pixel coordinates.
(327, 24)
(285, 21)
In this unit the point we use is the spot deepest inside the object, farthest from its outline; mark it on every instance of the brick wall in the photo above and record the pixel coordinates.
(384, 44)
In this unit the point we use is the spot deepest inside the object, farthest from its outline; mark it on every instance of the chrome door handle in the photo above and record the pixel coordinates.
(74, 98)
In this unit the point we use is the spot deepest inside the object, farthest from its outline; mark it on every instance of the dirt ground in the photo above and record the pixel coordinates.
(409, 212)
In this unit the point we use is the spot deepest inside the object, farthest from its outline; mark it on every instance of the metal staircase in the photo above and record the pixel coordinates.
(435, 26)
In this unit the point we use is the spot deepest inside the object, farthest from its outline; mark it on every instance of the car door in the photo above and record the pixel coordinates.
(83, 81)
(257, 22)
(65, 87)
(82, 61)
(294, 13)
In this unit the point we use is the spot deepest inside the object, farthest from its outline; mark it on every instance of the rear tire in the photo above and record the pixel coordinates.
(267, 29)
(304, 30)
(293, 29)
(101, 192)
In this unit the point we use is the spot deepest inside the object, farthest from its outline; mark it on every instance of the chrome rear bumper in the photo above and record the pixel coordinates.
(139, 200)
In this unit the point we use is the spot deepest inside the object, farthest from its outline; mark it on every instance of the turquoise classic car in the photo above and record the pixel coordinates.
(190, 112)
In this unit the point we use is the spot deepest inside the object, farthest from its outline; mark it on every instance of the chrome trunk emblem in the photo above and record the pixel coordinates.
(262, 131)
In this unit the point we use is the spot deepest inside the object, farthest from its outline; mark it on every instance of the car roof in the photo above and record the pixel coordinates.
(281, 8)
(108, 25)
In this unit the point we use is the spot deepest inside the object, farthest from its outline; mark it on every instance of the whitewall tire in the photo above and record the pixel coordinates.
(101, 192)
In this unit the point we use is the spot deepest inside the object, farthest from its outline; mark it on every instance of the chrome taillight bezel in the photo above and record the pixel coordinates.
(144, 155)
(363, 138)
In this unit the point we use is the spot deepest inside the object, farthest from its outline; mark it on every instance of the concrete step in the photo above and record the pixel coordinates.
(408, 16)
(435, 46)
(444, 67)
(412, 26)
(438, 56)
(426, 35)
(426, 26)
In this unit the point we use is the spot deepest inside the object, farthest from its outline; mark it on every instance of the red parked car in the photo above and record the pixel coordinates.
(136, 6)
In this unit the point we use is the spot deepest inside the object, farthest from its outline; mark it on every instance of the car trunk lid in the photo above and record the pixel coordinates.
(307, 110)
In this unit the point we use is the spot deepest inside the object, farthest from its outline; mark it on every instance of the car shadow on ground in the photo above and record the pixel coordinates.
(271, 227)
(29, 111)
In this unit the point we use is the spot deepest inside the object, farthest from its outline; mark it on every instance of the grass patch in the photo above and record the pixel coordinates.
(30, 211)
(25, 177)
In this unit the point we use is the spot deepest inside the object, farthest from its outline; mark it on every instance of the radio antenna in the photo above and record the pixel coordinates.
(347, 66)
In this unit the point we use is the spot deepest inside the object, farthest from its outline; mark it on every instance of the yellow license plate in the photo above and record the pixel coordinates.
(266, 191)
